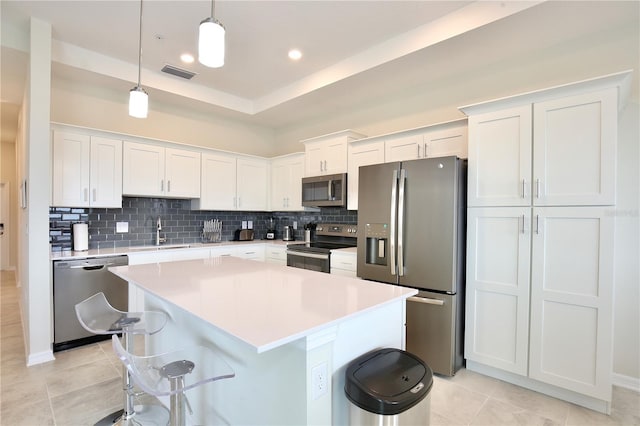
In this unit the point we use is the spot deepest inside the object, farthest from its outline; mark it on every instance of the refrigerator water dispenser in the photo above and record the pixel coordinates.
(377, 238)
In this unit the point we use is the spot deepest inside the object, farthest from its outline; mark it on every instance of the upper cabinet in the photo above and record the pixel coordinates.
(156, 171)
(231, 182)
(87, 171)
(326, 155)
(546, 152)
(439, 140)
(361, 154)
(286, 182)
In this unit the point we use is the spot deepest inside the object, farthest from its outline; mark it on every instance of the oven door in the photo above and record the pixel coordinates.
(306, 260)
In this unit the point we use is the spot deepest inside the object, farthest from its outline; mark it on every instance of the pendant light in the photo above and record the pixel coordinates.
(138, 98)
(211, 41)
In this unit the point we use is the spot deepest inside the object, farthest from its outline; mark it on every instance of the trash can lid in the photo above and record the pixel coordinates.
(387, 381)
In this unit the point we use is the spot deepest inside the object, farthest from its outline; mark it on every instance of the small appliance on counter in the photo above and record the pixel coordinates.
(310, 232)
(80, 235)
(287, 233)
(243, 235)
(271, 229)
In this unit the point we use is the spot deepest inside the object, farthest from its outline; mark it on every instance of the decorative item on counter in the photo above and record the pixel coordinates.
(310, 232)
(212, 231)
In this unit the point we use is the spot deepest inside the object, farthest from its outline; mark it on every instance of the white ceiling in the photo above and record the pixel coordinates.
(354, 51)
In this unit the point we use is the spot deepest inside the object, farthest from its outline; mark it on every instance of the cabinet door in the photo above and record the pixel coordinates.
(182, 173)
(500, 158)
(252, 184)
(335, 156)
(279, 185)
(571, 299)
(361, 155)
(403, 148)
(574, 146)
(70, 170)
(106, 172)
(497, 292)
(142, 169)
(218, 182)
(446, 142)
(294, 194)
(314, 159)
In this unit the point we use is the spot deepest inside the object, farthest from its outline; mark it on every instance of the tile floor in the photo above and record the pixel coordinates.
(82, 385)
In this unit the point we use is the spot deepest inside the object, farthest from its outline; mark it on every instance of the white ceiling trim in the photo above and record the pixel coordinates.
(465, 19)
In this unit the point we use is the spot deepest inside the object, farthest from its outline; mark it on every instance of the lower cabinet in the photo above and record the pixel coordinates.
(276, 254)
(540, 294)
(344, 263)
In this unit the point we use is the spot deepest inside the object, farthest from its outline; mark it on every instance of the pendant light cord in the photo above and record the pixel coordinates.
(140, 46)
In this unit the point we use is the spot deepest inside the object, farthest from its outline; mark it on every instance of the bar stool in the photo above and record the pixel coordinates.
(173, 373)
(97, 316)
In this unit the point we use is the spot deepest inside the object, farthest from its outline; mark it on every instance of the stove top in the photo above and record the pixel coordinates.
(329, 236)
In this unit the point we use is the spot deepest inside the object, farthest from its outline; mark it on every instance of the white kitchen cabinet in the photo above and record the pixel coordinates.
(497, 291)
(86, 171)
(361, 154)
(156, 171)
(230, 182)
(344, 263)
(574, 149)
(438, 140)
(572, 299)
(500, 158)
(325, 155)
(276, 254)
(556, 152)
(253, 184)
(552, 156)
(286, 182)
(250, 251)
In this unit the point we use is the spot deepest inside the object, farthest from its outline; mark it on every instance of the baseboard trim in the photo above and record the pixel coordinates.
(40, 358)
(627, 382)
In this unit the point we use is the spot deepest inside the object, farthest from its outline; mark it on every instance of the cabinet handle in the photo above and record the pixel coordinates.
(239, 202)
(320, 165)
(537, 224)
(522, 225)
(161, 185)
(426, 150)
(325, 165)
(537, 188)
(94, 194)
(524, 188)
(418, 145)
(86, 194)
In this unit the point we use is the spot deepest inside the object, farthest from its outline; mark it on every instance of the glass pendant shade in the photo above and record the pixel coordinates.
(138, 102)
(211, 43)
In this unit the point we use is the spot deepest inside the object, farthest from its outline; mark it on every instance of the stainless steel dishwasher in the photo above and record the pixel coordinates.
(73, 282)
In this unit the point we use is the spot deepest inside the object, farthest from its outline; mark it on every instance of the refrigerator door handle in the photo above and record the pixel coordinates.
(426, 300)
(403, 176)
(392, 230)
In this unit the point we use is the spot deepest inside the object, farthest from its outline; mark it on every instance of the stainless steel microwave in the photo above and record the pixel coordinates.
(323, 191)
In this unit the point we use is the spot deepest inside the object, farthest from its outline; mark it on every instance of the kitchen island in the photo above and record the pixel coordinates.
(277, 327)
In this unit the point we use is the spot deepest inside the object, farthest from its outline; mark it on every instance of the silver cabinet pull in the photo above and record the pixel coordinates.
(524, 188)
(94, 194)
(325, 165)
(537, 224)
(425, 151)
(161, 185)
(426, 300)
(321, 165)
(523, 224)
(239, 202)
(537, 188)
(168, 186)
(418, 145)
(86, 194)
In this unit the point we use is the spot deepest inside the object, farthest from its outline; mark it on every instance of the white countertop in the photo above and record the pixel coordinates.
(70, 254)
(262, 304)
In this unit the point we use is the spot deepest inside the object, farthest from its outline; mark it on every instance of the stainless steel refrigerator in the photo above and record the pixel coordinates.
(411, 232)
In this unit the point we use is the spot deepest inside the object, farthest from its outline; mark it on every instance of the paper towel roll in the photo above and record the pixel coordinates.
(80, 237)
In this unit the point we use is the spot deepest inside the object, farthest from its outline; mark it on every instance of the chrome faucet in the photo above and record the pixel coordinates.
(159, 240)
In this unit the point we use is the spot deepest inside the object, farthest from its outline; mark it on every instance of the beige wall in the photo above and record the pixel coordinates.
(8, 176)
(107, 110)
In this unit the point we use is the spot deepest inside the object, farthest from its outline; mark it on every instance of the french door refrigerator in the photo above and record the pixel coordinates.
(412, 232)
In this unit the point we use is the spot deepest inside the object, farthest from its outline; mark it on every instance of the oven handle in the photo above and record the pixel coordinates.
(311, 255)
(426, 300)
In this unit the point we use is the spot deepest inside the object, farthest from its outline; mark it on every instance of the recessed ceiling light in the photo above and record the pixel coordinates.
(295, 54)
(186, 58)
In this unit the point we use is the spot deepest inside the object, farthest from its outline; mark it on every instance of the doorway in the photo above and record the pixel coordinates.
(4, 226)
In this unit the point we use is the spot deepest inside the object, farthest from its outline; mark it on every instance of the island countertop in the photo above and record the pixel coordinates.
(265, 305)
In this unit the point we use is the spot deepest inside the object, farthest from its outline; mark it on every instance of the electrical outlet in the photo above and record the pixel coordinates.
(319, 380)
(250, 224)
(295, 225)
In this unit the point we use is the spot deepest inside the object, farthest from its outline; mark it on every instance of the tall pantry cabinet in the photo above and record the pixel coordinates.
(540, 231)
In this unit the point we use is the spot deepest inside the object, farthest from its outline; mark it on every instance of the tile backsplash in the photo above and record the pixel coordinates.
(180, 224)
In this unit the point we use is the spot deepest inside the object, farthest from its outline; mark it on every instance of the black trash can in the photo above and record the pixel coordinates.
(388, 387)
